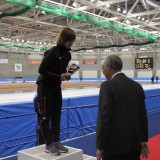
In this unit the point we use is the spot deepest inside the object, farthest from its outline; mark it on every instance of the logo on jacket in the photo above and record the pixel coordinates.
(44, 118)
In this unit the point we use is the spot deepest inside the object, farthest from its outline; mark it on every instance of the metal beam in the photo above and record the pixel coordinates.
(84, 2)
(56, 25)
(156, 24)
(147, 13)
(144, 3)
(135, 3)
(110, 2)
(153, 3)
(4, 6)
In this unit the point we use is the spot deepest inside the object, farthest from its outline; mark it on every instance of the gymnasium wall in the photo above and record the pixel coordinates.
(128, 65)
(157, 64)
(30, 64)
(8, 69)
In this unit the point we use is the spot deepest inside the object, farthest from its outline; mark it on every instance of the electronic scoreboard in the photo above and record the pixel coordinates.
(143, 63)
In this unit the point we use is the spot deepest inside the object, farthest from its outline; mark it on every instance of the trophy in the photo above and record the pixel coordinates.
(72, 69)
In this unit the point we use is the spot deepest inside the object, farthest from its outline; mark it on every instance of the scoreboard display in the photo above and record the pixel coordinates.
(144, 63)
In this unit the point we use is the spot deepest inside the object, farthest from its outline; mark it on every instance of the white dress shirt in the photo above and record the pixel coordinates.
(116, 74)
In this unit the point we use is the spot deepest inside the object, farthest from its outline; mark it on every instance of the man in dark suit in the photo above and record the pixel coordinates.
(122, 125)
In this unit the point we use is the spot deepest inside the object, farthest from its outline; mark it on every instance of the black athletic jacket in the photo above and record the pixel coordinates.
(54, 63)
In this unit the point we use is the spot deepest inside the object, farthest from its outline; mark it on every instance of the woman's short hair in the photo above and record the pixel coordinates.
(66, 34)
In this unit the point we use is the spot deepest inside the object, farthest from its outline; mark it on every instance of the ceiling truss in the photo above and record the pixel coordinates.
(35, 24)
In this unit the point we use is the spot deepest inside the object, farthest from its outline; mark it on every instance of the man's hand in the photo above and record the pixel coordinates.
(63, 77)
(100, 154)
(145, 150)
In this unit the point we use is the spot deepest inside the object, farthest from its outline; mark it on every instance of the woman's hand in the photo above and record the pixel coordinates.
(63, 77)
(100, 154)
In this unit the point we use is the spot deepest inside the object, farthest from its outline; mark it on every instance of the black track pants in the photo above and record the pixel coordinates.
(50, 104)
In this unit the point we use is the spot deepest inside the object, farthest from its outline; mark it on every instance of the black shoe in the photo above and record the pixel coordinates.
(59, 146)
(51, 149)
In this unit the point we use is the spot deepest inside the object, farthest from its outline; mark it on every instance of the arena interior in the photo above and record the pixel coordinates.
(127, 28)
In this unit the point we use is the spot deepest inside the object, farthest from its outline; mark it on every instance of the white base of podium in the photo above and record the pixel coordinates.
(38, 153)
(86, 157)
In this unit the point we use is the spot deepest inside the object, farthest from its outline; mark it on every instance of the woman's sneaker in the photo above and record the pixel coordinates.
(59, 146)
(51, 149)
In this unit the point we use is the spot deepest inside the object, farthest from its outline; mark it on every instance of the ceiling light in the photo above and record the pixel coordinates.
(22, 40)
(142, 19)
(125, 49)
(43, 12)
(107, 5)
(89, 50)
(44, 43)
(143, 49)
(36, 6)
(128, 22)
(118, 9)
(107, 50)
(92, 0)
(17, 40)
(40, 42)
(129, 14)
(36, 42)
(76, 4)
(139, 17)
(124, 11)
(147, 20)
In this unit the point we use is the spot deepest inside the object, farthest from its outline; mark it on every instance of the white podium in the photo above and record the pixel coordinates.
(86, 157)
(38, 153)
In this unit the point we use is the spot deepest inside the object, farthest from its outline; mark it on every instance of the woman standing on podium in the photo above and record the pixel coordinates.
(52, 72)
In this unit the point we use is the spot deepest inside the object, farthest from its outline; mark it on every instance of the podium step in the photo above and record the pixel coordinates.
(38, 153)
(86, 157)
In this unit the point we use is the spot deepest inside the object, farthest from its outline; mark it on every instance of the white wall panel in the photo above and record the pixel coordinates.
(144, 74)
(89, 74)
(102, 75)
(157, 73)
(129, 73)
